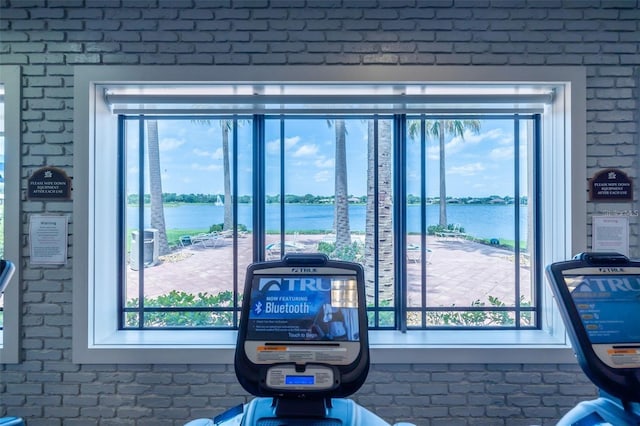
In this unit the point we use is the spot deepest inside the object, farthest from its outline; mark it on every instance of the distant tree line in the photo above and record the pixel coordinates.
(173, 198)
(492, 199)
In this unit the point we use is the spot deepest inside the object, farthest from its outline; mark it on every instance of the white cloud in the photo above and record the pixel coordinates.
(201, 152)
(291, 142)
(306, 151)
(215, 155)
(467, 169)
(169, 144)
(502, 153)
(274, 145)
(206, 167)
(457, 144)
(325, 163)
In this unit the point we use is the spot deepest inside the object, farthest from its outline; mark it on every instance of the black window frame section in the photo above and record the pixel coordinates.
(140, 309)
(399, 141)
(518, 310)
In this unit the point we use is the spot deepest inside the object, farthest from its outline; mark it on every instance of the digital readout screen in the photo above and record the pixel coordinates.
(299, 380)
(608, 305)
(302, 308)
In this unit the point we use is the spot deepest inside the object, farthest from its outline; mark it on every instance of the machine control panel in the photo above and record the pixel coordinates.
(313, 377)
(599, 298)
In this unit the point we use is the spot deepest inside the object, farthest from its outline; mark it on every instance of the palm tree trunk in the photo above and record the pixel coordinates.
(155, 186)
(443, 186)
(343, 231)
(383, 198)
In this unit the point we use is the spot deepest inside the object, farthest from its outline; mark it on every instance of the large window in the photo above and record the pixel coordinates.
(443, 191)
(450, 193)
(9, 208)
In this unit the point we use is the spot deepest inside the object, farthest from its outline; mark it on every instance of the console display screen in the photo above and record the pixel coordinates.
(303, 308)
(608, 305)
(299, 380)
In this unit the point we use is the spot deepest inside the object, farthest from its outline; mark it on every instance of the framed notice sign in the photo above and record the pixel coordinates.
(49, 183)
(611, 185)
(610, 234)
(48, 239)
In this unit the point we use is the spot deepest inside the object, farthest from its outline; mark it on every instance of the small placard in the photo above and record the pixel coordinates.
(48, 239)
(610, 234)
(611, 185)
(49, 183)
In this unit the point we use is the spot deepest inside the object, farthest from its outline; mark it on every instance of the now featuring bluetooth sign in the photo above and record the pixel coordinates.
(302, 308)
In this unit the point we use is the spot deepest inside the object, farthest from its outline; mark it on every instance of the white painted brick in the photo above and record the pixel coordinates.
(48, 41)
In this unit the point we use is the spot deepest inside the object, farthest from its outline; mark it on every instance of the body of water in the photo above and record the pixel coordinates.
(481, 221)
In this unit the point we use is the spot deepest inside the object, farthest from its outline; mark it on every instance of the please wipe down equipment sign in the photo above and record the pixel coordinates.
(49, 183)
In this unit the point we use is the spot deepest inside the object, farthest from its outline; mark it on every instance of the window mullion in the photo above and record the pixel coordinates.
(423, 218)
(283, 228)
(235, 220)
(140, 241)
(516, 214)
(122, 195)
(400, 212)
(536, 256)
(259, 175)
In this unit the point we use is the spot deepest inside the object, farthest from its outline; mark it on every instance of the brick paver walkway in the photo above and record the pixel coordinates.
(458, 271)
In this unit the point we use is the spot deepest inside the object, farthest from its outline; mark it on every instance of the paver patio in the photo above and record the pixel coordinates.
(458, 272)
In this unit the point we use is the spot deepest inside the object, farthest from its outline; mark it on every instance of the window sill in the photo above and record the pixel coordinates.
(387, 347)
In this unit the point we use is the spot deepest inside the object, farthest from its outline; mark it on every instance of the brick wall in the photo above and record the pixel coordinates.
(47, 38)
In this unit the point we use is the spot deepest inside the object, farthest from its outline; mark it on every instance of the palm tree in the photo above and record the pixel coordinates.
(384, 218)
(439, 129)
(155, 186)
(341, 212)
(226, 126)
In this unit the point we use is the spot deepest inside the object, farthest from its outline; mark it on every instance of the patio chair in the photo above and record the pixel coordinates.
(206, 239)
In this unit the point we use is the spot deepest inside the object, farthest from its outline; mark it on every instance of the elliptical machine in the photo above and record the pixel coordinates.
(302, 345)
(599, 298)
(6, 272)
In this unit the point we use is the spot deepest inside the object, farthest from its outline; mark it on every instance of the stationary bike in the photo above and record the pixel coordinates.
(599, 298)
(302, 345)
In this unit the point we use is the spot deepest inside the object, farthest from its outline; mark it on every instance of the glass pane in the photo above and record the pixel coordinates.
(322, 162)
(461, 222)
(189, 234)
(322, 168)
(275, 147)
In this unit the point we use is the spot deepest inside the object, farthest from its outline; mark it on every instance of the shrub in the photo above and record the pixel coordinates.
(206, 313)
(351, 253)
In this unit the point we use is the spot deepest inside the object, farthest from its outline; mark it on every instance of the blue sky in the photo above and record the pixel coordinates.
(191, 159)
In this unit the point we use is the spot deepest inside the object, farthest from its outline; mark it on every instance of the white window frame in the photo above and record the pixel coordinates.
(96, 338)
(10, 334)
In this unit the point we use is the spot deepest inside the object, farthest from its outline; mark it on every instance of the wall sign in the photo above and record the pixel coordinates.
(48, 239)
(611, 185)
(49, 183)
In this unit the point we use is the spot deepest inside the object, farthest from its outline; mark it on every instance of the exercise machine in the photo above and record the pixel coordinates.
(302, 345)
(6, 271)
(599, 299)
